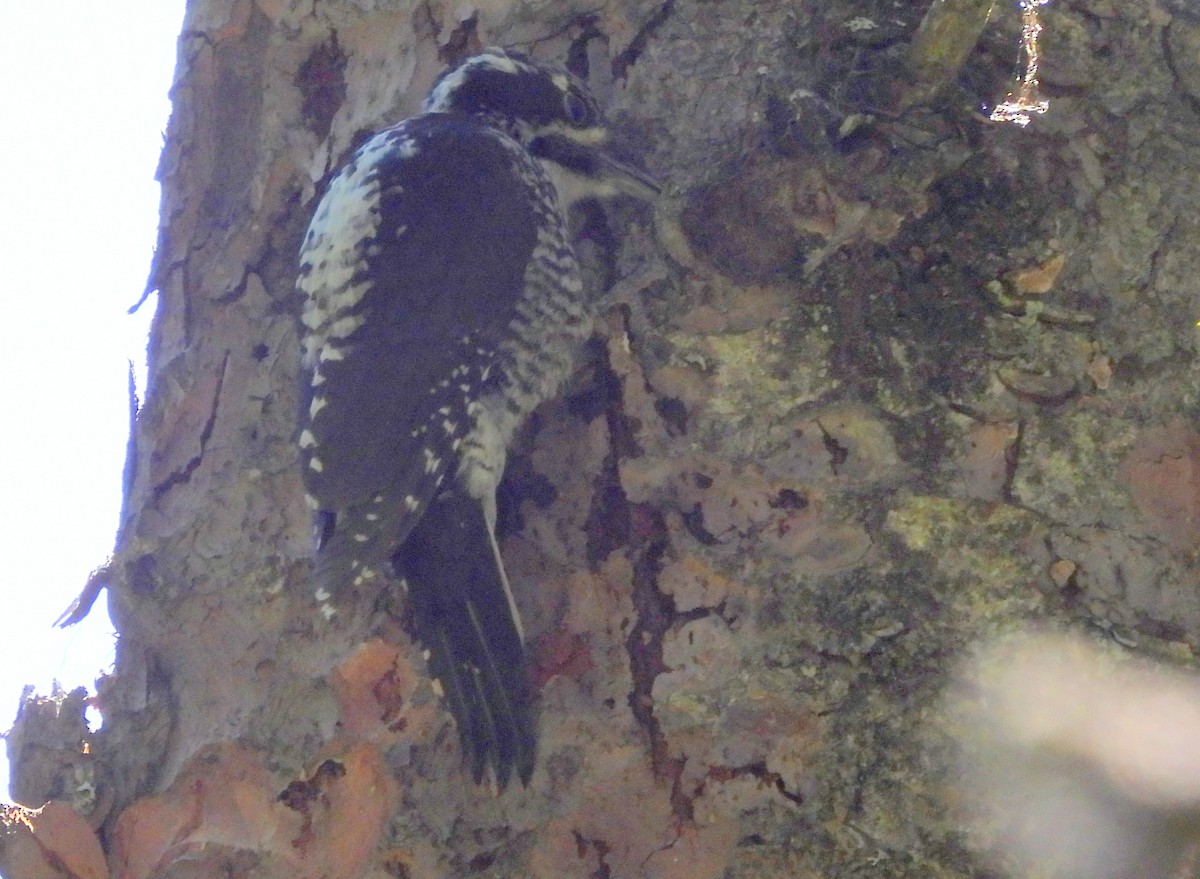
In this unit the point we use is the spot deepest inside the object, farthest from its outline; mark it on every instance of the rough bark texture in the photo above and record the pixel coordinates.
(875, 384)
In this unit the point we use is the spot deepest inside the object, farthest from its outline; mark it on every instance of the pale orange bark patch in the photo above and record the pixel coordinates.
(1162, 473)
(51, 842)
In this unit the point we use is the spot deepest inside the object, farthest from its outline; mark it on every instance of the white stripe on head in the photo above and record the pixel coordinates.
(495, 59)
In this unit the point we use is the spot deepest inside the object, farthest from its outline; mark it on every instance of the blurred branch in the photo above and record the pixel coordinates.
(1078, 762)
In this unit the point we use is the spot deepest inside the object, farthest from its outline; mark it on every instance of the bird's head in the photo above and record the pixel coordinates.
(551, 113)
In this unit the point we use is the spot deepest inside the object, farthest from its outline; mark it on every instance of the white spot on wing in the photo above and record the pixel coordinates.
(340, 329)
(343, 235)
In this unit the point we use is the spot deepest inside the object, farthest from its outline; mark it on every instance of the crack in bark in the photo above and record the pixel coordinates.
(637, 45)
(655, 616)
(757, 770)
(462, 42)
(600, 847)
(1168, 51)
(837, 452)
(644, 530)
(183, 475)
(608, 523)
(321, 80)
(1012, 462)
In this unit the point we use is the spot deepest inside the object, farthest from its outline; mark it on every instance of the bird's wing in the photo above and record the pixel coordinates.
(413, 266)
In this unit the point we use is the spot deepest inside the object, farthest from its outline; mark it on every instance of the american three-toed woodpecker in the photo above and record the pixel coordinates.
(444, 302)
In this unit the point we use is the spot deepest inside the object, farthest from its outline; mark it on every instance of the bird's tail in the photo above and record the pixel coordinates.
(463, 615)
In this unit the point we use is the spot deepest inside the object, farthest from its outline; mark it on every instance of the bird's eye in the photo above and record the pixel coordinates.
(576, 109)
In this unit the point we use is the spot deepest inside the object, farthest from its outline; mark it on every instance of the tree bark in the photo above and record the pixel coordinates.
(877, 380)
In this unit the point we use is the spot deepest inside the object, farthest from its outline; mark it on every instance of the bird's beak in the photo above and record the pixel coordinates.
(584, 165)
(628, 179)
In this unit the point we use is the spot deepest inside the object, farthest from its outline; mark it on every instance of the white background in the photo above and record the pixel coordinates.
(83, 99)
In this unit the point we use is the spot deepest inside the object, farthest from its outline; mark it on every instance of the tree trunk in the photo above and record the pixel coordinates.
(879, 378)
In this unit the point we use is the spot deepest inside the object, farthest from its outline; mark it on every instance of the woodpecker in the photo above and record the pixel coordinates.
(443, 303)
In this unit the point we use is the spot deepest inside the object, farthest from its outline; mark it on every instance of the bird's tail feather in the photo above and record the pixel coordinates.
(463, 615)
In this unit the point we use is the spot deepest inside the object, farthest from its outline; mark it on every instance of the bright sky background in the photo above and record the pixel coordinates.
(85, 105)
